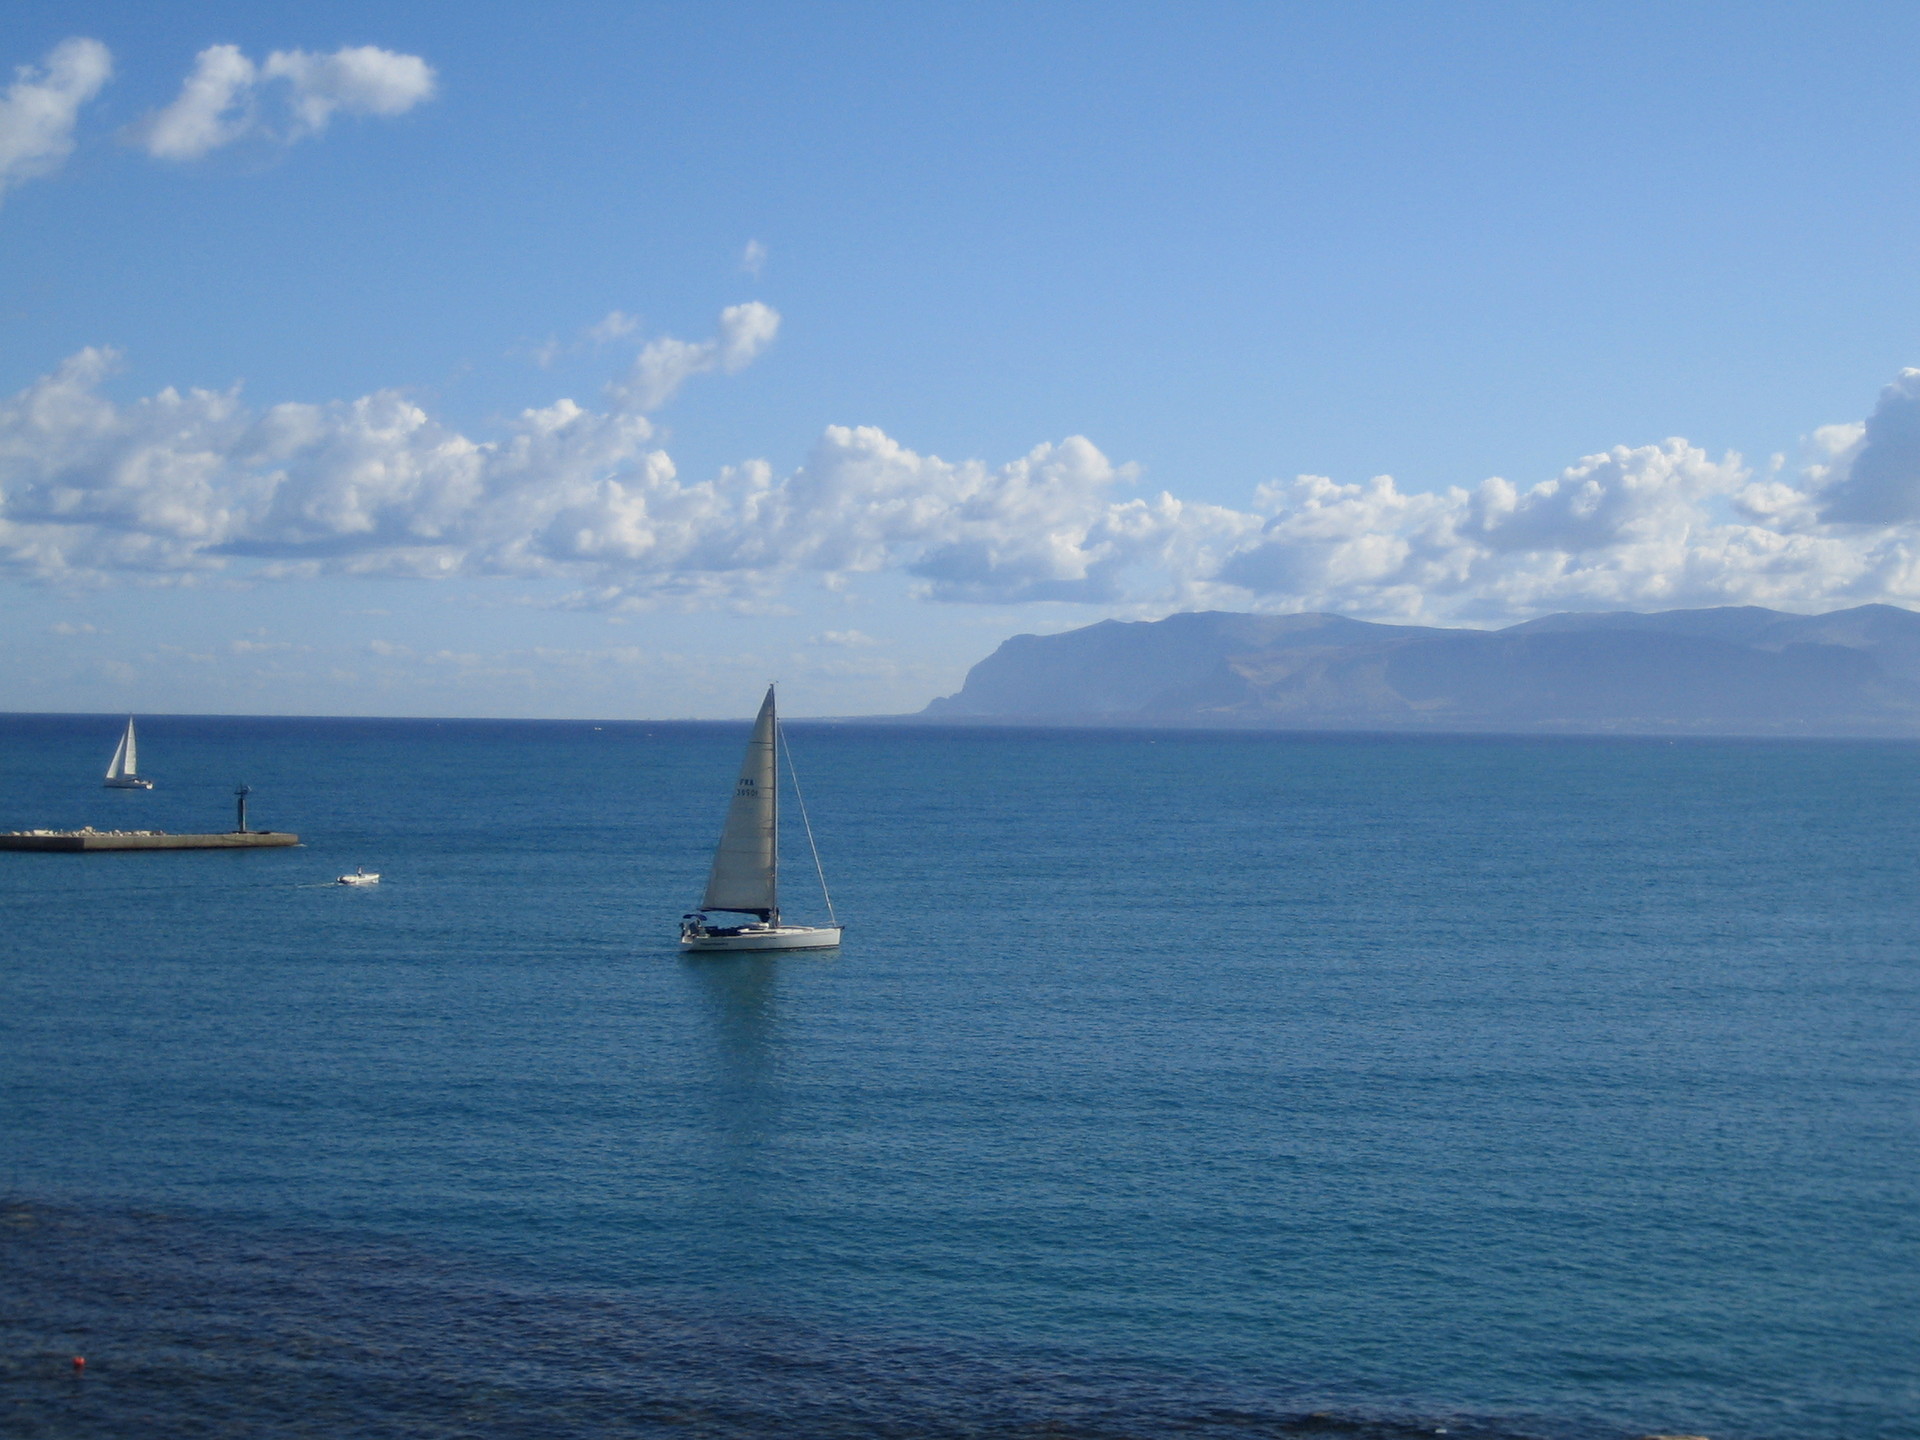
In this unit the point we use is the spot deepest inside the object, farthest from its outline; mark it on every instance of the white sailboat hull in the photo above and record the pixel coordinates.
(127, 782)
(767, 937)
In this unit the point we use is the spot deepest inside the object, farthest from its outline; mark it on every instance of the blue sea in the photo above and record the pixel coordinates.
(1168, 1084)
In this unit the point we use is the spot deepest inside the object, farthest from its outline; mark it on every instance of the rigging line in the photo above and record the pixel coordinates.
(806, 824)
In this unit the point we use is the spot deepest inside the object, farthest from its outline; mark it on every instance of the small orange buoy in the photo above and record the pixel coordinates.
(79, 1363)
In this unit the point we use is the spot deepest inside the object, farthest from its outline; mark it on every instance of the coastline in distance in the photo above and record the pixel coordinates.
(1739, 670)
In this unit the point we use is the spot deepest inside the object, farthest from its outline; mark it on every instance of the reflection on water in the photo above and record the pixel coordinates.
(740, 994)
(739, 997)
(739, 1000)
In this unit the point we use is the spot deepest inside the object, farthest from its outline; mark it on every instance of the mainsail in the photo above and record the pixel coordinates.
(745, 868)
(125, 760)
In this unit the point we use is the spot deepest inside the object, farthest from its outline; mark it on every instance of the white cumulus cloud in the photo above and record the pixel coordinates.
(291, 95)
(354, 80)
(664, 365)
(178, 484)
(215, 108)
(1874, 467)
(1630, 527)
(39, 109)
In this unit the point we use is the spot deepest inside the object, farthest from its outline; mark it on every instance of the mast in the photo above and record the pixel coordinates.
(773, 868)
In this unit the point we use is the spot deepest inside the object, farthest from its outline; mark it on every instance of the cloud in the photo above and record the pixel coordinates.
(1040, 527)
(177, 484)
(354, 80)
(1875, 467)
(843, 639)
(290, 96)
(215, 108)
(753, 259)
(1627, 528)
(614, 325)
(199, 484)
(39, 109)
(267, 647)
(664, 365)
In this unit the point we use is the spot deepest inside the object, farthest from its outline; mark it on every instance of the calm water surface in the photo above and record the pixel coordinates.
(1177, 1084)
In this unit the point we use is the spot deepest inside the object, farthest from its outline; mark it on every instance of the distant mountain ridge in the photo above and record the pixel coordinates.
(1735, 670)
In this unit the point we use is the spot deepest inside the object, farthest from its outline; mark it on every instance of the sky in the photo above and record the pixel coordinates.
(610, 360)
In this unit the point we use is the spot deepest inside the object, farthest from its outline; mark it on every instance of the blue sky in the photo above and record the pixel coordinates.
(1618, 296)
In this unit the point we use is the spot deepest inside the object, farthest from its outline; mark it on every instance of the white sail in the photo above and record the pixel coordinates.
(124, 758)
(133, 758)
(745, 868)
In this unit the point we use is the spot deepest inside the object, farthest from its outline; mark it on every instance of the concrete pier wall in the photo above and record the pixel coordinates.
(71, 840)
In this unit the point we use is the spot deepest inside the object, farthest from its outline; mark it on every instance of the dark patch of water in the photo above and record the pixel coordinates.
(191, 1328)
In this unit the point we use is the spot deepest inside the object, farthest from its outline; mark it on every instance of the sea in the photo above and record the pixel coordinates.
(1168, 1084)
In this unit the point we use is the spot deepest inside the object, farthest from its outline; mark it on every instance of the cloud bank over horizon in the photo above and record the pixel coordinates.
(180, 488)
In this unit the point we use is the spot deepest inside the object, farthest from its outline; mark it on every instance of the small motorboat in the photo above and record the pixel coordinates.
(360, 876)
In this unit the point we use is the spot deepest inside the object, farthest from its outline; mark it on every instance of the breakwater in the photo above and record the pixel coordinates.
(72, 840)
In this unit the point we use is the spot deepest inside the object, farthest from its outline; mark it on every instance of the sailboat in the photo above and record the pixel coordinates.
(746, 868)
(126, 760)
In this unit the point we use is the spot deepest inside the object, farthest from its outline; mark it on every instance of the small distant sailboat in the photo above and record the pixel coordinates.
(121, 770)
(360, 876)
(746, 868)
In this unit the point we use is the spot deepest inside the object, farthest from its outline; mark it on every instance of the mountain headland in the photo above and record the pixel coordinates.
(1730, 671)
